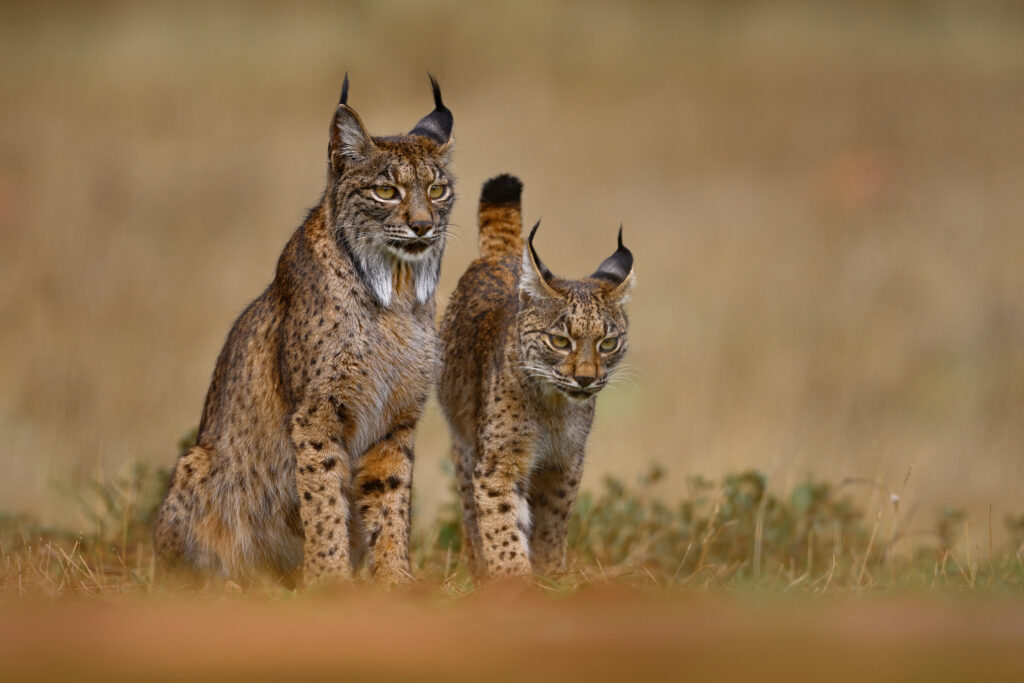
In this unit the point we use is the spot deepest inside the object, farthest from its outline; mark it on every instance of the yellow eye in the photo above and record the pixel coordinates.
(436, 191)
(384, 191)
(559, 342)
(608, 345)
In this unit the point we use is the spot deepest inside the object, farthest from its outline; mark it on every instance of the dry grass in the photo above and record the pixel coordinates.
(726, 536)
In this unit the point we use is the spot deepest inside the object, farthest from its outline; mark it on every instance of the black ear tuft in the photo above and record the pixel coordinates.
(617, 267)
(437, 125)
(542, 270)
(503, 189)
(436, 90)
(344, 91)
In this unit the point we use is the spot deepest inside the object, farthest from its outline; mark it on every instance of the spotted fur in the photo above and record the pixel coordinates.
(518, 407)
(304, 457)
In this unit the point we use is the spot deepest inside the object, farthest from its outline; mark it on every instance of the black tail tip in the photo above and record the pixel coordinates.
(502, 189)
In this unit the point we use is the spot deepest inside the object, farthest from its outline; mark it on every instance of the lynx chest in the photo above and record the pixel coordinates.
(382, 373)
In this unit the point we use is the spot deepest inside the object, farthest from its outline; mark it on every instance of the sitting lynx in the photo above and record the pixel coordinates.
(305, 448)
(524, 354)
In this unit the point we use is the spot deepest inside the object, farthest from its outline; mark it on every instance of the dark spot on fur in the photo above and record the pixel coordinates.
(372, 486)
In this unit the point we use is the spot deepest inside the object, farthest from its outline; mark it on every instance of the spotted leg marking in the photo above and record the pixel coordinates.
(502, 512)
(384, 490)
(470, 532)
(322, 477)
(553, 493)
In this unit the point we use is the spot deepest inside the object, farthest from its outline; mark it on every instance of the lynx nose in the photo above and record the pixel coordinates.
(584, 380)
(421, 228)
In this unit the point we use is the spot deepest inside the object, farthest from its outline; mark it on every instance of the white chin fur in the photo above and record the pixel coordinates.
(403, 255)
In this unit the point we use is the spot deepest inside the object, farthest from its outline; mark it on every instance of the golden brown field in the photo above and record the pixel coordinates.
(824, 201)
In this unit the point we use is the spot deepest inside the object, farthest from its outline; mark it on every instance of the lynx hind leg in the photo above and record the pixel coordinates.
(383, 488)
(463, 459)
(552, 497)
(174, 534)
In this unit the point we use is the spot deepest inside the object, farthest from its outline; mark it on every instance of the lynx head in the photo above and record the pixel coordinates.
(572, 333)
(389, 198)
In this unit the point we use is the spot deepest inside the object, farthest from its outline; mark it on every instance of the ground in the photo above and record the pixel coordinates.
(509, 633)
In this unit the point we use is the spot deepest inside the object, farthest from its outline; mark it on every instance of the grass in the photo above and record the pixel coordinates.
(728, 535)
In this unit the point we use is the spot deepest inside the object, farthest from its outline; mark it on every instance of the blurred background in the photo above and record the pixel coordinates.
(825, 201)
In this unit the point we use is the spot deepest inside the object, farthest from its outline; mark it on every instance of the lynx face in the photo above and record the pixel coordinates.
(573, 333)
(390, 198)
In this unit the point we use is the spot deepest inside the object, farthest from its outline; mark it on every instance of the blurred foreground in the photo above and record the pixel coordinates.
(511, 634)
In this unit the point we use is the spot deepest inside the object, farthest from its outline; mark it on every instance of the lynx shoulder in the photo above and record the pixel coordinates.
(303, 465)
(524, 354)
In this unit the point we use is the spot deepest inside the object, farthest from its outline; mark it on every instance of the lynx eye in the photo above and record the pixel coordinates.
(608, 345)
(436, 191)
(559, 342)
(385, 191)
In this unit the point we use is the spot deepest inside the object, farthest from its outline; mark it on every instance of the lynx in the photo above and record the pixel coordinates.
(303, 464)
(523, 355)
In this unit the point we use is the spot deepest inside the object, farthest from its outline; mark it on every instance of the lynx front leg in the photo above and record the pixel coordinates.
(552, 498)
(322, 477)
(384, 488)
(502, 513)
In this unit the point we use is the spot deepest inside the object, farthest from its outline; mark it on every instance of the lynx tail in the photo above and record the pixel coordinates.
(500, 215)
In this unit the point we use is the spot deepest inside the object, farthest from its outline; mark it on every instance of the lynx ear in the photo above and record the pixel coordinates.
(437, 125)
(536, 278)
(617, 269)
(349, 139)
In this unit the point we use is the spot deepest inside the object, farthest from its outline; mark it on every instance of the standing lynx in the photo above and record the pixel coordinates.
(524, 354)
(305, 448)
